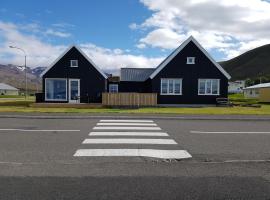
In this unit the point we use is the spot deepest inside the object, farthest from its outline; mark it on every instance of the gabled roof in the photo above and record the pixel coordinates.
(262, 85)
(4, 86)
(136, 74)
(86, 57)
(179, 49)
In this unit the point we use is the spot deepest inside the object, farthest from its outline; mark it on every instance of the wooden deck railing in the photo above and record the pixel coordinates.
(129, 99)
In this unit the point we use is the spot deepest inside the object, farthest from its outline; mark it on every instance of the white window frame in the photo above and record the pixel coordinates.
(71, 63)
(192, 62)
(46, 89)
(113, 85)
(69, 90)
(205, 89)
(174, 79)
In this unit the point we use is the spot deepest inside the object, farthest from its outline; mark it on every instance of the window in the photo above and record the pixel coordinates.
(74, 63)
(171, 86)
(208, 87)
(190, 60)
(113, 88)
(55, 89)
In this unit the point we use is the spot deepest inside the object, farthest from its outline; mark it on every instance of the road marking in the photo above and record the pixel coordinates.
(126, 128)
(126, 120)
(155, 153)
(230, 132)
(129, 141)
(126, 124)
(128, 134)
(35, 130)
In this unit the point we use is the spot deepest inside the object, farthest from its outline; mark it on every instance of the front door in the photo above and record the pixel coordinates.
(74, 90)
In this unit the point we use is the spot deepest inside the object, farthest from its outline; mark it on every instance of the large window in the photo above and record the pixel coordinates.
(113, 88)
(208, 87)
(55, 89)
(171, 86)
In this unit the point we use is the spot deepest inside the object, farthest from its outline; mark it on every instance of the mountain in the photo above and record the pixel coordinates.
(14, 75)
(252, 64)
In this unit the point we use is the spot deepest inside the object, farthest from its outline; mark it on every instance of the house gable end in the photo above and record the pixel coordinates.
(174, 54)
(67, 52)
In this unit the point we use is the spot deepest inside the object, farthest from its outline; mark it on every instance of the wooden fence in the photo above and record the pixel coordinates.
(129, 99)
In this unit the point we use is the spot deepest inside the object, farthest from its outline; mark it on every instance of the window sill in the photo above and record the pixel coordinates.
(208, 94)
(55, 99)
(171, 94)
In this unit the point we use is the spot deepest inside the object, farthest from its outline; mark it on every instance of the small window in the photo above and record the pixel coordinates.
(190, 60)
(113, 88)
(208, 87)
(74, 63)
(171, 86)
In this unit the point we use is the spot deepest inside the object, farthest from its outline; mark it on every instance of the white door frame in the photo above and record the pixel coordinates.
(69, 90)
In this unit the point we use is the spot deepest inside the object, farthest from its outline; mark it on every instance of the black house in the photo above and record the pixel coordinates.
(73, 78)
(189, 75)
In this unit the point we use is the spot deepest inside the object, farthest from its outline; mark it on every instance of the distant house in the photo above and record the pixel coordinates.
(259, 91)
(6, 89)
(236, 86)
(189, 75)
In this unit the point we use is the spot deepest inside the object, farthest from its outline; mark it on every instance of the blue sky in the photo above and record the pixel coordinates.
(132, 33)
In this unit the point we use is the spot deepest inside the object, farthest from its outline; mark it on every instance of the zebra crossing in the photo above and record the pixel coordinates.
(135, 135)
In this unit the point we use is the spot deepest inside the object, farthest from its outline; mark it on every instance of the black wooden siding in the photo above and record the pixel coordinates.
(202, 69)
(92, 83)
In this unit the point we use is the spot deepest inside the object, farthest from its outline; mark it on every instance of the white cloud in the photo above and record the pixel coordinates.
(57, 33)
(133, 26)
(112, 60)
(162, 38)
(41, 53)
(224, 25)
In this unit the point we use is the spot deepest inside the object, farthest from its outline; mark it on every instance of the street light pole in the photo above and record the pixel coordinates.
(25, 74)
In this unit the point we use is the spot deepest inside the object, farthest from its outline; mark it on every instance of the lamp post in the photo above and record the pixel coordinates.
(25, 77)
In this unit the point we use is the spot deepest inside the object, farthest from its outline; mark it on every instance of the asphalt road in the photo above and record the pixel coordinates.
(230, 160)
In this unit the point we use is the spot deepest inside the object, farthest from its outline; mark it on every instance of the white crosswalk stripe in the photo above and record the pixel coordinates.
(159, 134)
(126, 124)
(128, 141)
(163, 154)
(125, 128)
(126, 120)
(115, 132)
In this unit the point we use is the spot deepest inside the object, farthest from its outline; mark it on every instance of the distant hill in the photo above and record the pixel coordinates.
(252, 64)
(14, 75)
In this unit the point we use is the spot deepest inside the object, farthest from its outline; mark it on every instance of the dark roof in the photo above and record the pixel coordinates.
(136, 74)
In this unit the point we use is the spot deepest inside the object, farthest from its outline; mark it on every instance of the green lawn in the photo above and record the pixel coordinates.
(264, 110)
(24, 107)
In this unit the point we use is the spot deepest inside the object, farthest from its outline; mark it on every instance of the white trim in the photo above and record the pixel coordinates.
(65, 52)
(171, 94)
(69, 91)
(74, 65)
(191, 63)
(179, 49)
(46, 90)
(209, 94)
